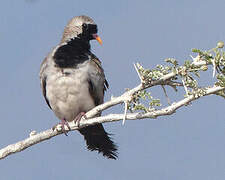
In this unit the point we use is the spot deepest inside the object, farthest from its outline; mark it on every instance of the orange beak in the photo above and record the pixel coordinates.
(97, 38)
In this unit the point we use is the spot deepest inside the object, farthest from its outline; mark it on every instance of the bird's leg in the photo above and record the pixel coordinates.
(78, 118)
(63, 123)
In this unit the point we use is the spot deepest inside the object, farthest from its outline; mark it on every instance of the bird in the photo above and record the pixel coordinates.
(73, 82)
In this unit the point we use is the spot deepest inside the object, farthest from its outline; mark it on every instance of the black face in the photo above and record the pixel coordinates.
(88, 30)
(77, 50)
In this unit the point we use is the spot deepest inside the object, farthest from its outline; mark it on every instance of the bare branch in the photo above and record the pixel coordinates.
(185, 87)
(214, 67)
(167, 97)
(125, 112)
(45, 135)
(135, 66)
(163, 76)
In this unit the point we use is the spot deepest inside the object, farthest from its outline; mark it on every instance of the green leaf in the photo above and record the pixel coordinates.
(196, 50)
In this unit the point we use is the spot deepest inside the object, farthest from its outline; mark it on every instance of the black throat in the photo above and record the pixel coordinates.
(74, 52)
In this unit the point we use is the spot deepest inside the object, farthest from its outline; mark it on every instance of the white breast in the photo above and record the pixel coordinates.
(68, 93)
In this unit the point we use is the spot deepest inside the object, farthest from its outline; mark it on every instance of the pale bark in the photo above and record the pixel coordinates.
(42, 136)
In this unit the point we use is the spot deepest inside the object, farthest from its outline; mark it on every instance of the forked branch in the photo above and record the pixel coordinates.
(173, 76)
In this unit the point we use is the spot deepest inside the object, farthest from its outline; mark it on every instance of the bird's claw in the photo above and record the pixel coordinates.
(63, 123)
(78, 118)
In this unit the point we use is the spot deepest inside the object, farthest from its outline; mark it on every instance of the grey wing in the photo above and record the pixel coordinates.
(95, 135)
(97, 82)
(43, 78)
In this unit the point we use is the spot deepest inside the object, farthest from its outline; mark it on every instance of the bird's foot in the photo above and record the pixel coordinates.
(78, 118)
(63, 123)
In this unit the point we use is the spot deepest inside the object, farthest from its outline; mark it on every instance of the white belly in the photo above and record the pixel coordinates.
(68, 95)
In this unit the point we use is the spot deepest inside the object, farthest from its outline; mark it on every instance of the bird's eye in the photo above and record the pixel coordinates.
(84, 26)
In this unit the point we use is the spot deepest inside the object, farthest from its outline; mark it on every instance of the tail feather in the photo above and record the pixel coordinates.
(97, 139)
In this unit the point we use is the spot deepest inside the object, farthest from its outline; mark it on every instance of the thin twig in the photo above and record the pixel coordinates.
(125, 112)
(139, 75)
(167, 97)
(185, 87)
(214, 67)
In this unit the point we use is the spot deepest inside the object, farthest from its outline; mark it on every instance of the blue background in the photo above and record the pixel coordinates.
(186, 145)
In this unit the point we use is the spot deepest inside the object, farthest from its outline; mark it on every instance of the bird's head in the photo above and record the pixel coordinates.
(82, 27)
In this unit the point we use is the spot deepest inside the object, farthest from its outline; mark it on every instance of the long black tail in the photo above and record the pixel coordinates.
(98, 140)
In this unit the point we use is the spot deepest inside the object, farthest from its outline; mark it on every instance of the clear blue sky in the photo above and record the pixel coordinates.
(187, 145)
